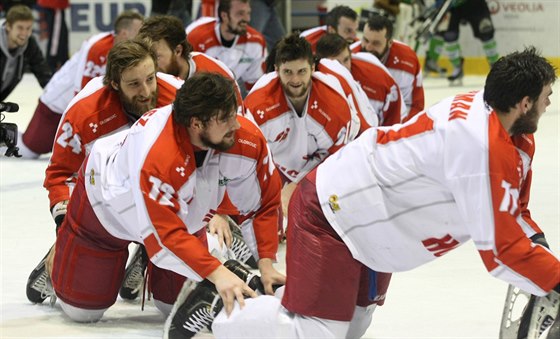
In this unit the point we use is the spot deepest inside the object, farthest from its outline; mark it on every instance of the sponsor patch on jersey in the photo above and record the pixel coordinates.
(333, 203)
(91, 177)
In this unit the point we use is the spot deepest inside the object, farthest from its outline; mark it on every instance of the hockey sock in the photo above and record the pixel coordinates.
(435, 48)
(491, 51)
(453, 50)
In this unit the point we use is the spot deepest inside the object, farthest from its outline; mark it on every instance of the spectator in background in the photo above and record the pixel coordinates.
(265, 19)
(52, 16)
(18, 49)
(341, 20)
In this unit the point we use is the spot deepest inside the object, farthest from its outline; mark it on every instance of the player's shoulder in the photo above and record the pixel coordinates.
(201, 26)
(255, 36)
(401, 56)
(249, 141)
(206, 63)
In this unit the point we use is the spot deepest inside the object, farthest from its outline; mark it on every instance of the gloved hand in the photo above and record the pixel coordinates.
(58, 212)
(540, 239)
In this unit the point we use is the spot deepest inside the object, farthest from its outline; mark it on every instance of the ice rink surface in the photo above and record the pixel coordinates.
(453, 297)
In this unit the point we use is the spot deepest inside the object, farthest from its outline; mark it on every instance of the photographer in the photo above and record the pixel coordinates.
(18, 49)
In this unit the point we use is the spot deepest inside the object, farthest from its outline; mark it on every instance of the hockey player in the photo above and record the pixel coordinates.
(175, 55)
(304, 115)
(476, 12)
(375, 80)
(341, 20)
(400, 60)
(156, 184)
(86, 64)
(403, 196)
(106, 105)
(231, 40)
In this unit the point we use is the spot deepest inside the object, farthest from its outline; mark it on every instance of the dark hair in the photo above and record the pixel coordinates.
(516, 76)
(204, 96)
(330, 45)
(18, 13)
(377, 22)
(126, 54)
(225, 6)
(291, 48)
(168, 28)
(333, 16)
(124, 20)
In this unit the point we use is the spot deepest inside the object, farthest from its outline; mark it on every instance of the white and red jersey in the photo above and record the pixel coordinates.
(381, 89)
(300, 143)
(313, 35)
(200, 62)
(87, 63)
(407, 194)
(145, 185)
(95, 112)
(245, 57)
(366, 114)
(405, 68)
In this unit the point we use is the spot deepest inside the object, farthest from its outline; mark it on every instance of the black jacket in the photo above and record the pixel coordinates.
(33, 57)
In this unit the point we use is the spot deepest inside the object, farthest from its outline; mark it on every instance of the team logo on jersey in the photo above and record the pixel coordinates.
(223, 181)
(93, 127)
(180, 170)
(315, 105)
(396, 60)
(260, 113)
(333, 203)
(440, 246)
(92, 177)
(282, 135)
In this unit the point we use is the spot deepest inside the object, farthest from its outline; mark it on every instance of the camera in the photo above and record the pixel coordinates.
(8, 131)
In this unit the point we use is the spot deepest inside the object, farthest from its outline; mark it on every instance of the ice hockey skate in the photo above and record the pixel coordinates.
(134, 274)
(240, 249)
(39, 286)
(456, 77)
(538, 314)
(431, 68)
(195, 309)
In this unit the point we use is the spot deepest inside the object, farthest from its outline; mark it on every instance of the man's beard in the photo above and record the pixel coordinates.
(238, 31)
(290, 91)
(381, 55)
(173, 67)
(223, 145)
(134, 108)
(526, 123)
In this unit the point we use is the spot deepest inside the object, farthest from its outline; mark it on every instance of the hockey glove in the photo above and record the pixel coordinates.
(540, 239)
(58, 212)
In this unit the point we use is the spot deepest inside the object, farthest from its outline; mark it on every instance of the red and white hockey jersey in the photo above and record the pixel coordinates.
(87, 63)
(144, 185)
(380, 87)
(366, 114)
(200, 62)
(313, 35)
(245, 58)
(405, 68)
(407, 194)
(299, 144)
(95, 112)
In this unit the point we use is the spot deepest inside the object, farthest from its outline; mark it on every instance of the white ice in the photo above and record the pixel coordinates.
(453, 297)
